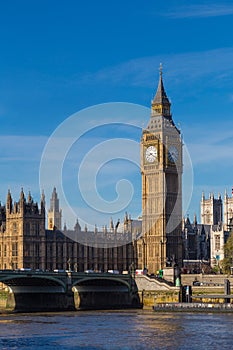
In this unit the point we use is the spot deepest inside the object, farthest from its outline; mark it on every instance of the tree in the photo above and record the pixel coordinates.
(227, 262)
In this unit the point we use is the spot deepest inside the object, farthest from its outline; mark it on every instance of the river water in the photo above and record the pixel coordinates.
(137, 329)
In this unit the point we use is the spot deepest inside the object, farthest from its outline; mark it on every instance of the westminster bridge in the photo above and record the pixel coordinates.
(49, 291)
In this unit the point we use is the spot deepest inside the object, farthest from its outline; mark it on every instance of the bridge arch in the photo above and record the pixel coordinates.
(32, 291)
(19, 282)
(98, 292)
(101, 281)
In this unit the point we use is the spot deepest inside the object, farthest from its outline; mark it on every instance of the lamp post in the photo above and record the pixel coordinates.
(144, 252)
(76, 267)
(69, 264)
(132, 270)
(162, 253)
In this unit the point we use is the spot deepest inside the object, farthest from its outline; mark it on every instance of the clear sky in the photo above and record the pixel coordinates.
(59, 57)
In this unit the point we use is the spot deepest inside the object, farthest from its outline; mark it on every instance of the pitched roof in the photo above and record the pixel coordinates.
(160, 96)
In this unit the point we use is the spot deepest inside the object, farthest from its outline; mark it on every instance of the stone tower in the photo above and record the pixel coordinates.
(228, 210)
(24, 236)
(211, 210)
(161, 169)
(54, 213)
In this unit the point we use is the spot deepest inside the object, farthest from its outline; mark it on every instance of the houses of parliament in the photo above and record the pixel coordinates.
(153, 242)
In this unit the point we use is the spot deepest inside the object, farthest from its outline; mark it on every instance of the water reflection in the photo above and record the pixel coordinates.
(137, 329)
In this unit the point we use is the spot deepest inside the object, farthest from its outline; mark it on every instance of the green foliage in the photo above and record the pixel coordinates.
(227, 262)
(216, 269)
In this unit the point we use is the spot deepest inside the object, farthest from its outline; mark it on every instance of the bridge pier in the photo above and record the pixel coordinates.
(104, 300)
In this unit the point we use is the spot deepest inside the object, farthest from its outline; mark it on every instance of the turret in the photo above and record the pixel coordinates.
(54, 213)
(9, 202)
(21, 201)
(126, 222)
(225, 194)
(29, 198)
(42, 202)
(77, 226)
(111, 226)
(117, 224)
(195, 219)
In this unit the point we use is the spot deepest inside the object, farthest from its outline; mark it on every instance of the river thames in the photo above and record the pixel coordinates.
(136, 329)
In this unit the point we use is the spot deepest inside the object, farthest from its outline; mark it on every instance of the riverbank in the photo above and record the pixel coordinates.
(193, 307)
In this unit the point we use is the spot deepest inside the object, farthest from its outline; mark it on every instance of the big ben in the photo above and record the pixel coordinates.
(161, 170)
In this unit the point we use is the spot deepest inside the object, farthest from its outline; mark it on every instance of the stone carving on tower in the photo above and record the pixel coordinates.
(161, 170)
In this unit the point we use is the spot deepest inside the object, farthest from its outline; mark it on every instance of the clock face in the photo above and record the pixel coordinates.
(172, 154)
(151, 154)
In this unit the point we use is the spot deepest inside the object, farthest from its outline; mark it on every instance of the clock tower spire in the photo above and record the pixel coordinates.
(160, 104)
(161, 169)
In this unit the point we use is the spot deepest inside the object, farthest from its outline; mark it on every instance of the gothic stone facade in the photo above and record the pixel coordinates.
(26, 243)
(206, 241)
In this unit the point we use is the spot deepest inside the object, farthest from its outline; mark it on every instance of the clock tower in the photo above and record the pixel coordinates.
(161, 169)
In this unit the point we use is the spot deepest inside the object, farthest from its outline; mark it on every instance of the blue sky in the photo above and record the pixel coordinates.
(60, 57)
